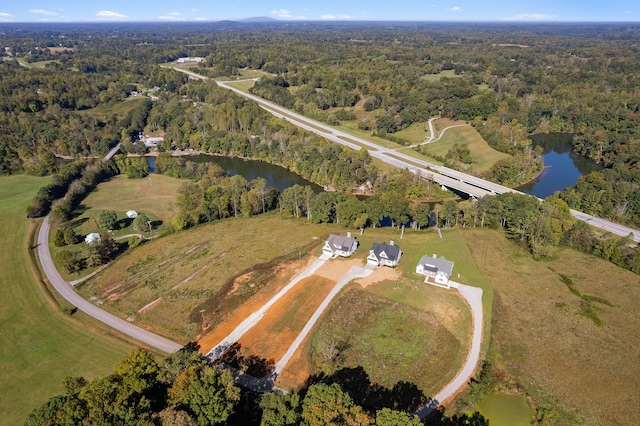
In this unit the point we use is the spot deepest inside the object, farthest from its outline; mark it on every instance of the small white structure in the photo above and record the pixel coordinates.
(151, 142)
(339, 245)
(132, 214)
(190, 60)
(93, 237)
(437, 270)
(384, 254)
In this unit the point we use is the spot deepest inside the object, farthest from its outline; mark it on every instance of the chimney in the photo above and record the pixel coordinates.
(392, 243)
(348, 234)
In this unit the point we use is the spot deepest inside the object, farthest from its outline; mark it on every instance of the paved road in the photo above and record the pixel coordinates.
(111, 153)
(66, 290)
(218, 350)
(472, 185)
(473, 296)
(352, 274)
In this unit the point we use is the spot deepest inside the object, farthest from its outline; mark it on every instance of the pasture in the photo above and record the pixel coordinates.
(40, 345)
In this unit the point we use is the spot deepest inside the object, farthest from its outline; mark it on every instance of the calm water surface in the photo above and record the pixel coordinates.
(562, 166)
(277, 177)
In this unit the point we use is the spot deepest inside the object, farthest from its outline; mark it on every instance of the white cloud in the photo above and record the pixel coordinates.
(335, 17)
(200, 19)
(4, 17)
(455, 9)
(172, 16)
(107, 14)
(285, 14)
(530, 17)
(43, 12)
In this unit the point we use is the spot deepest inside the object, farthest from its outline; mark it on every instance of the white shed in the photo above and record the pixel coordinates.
(93, 237)
(132, 214)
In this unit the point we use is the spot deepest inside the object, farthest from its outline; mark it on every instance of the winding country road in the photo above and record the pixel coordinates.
(66, 291)
(473, 296)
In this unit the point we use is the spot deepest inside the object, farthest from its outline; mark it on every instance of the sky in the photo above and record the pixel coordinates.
(342, 10)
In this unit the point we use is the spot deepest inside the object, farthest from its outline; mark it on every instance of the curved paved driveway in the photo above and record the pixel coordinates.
(66, 290)
(473, 296)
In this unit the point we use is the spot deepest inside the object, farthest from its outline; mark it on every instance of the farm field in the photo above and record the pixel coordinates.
(546, 340)
(483, 155)
(194, 270)
(40, 346)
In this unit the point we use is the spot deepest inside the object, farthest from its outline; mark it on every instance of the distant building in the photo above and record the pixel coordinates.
(437, 270)
(132, 214)
(339, 245)
(382, 254)
(190, 60)
(92, 238)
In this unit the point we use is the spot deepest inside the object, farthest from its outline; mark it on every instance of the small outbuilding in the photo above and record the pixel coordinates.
(382, 254)
(92, 238)
(340, 245)
(132, 214)
(437, 270)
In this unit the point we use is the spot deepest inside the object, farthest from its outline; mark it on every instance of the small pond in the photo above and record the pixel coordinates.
(277, 177)
(563, 167)
(506, 410)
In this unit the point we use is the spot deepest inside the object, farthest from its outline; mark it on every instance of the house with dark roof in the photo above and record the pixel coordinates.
(340, 245)
(382, 254)
(437, 270)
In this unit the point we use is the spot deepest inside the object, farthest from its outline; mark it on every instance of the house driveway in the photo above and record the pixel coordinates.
(218, 350)
(473, 296)
(352, 274)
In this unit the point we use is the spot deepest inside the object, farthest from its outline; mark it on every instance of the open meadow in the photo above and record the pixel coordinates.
(39, 345)
(565, 330)
(483, 155)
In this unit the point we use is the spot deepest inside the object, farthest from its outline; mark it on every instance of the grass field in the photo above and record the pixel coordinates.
(242, 85)
(438, 77)
(39, 345)
(119, 109)
(194, 270)
(415, 133)
(391, 341)
(483, 155)
(544, 338)
(506, 410)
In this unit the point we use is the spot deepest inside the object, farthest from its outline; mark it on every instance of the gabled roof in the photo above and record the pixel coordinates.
(386, 251)
(440, 264)
(340, 242)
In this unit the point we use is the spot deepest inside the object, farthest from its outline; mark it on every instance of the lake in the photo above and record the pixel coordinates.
(563, 167)
(277, 177)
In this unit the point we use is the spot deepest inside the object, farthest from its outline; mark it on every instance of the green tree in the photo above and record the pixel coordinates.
(279, 409)
(142, 223)
(107, 219)
(389, 417)
(213, 397)
(330, 405)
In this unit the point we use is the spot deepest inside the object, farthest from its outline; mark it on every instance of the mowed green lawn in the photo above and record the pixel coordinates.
(482, 154)
(39, 346)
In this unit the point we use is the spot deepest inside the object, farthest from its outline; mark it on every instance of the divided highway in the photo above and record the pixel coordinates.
(474, 186)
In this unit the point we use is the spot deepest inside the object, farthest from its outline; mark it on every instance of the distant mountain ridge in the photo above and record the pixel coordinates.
(258, 19)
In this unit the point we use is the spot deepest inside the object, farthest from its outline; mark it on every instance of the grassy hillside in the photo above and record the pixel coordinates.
(566, 331)
(482, 154)
(39, 346)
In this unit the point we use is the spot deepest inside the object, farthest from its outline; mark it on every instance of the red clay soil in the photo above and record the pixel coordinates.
(255, 302)
(272, 336)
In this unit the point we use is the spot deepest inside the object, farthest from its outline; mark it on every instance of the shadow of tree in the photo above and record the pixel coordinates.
(371, 396)
(250, 364)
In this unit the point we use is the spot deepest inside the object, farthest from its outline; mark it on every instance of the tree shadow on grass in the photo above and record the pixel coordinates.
(250, 364)
(371, 396)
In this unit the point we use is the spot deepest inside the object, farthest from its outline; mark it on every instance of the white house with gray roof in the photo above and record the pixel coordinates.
(340, 245)
(382, 254)
(437, 270)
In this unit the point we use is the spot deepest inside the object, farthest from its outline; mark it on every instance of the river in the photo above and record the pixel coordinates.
(277, 177)
(563, 167)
